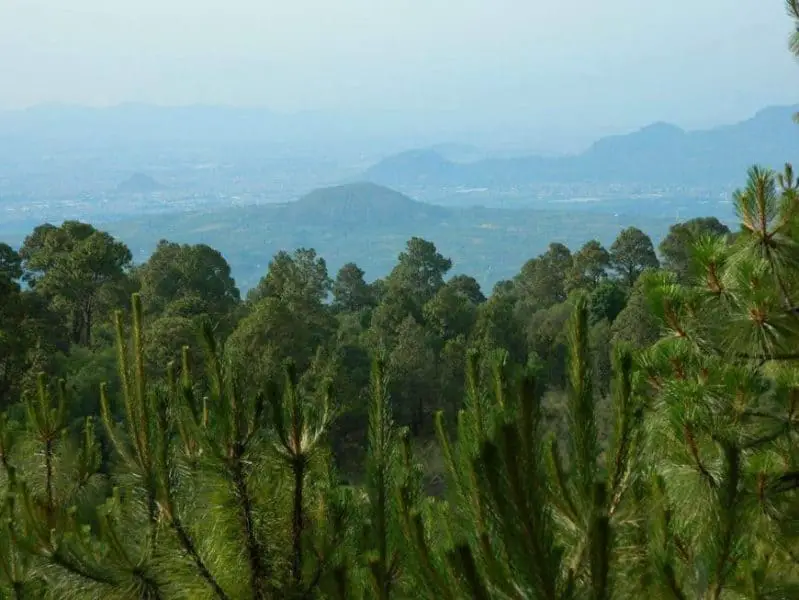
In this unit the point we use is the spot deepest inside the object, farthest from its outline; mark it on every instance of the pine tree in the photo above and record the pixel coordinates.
(383, 550)
(722, 387)
(202, 495)
(525, 520)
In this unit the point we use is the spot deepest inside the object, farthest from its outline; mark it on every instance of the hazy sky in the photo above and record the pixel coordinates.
(566, 63)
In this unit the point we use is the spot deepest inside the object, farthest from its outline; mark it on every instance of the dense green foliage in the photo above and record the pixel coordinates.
(409, 437)
(598, 427)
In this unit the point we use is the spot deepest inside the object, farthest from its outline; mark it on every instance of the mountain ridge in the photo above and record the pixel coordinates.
(658, 153)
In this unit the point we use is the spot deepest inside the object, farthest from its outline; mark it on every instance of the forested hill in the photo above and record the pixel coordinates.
(371, 223)
(657, 154)
(359, 205)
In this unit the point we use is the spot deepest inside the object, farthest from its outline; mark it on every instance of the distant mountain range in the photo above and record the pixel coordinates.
(657, 154)
(354, 132)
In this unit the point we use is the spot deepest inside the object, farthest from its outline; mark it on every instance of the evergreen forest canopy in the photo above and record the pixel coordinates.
(601, 426)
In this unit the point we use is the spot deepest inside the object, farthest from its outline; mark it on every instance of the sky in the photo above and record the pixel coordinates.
(565, 65)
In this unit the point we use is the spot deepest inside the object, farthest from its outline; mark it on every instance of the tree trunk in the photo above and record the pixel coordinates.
(88, 325)
(76, 327)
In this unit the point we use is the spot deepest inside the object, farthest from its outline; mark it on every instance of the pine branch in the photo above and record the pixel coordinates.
(48, 461)
(792, 6)
(189, 547)
(690, 441)
(730, 523)
(790, 356)
(599, 545)
(529, 502)
(785, 483)
(298, 518)
(671, 580)
(463, 559)
(258, 568)
(627, 425)
(563, 497)
(380, 447)
(60, 559)
(230, 449)
(581, 403)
